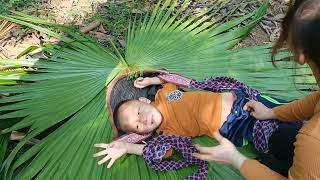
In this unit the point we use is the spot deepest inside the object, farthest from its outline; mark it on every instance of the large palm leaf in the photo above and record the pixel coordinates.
(67, 90)
(205, 51)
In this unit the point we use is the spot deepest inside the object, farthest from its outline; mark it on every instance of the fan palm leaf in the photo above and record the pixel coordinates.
(204, 52)
(66, 91)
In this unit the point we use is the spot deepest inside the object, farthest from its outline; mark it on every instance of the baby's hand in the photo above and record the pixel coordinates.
(113, 151)
(142, 82)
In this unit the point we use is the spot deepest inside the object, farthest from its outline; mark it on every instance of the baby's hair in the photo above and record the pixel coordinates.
(116, 114)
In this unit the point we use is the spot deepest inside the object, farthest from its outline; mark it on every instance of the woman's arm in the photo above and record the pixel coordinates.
(305, 162)
(298, 110)
(252, 170)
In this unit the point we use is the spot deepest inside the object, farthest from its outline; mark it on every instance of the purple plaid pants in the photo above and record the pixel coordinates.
(156, 149)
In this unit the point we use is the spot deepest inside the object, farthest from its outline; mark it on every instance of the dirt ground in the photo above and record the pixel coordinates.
(110, 20)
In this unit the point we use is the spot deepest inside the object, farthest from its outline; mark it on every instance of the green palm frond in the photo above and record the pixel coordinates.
(63, 87)
(203, 52)
(66, 91)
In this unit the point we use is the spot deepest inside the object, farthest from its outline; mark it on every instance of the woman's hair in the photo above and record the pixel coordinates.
(301, 30)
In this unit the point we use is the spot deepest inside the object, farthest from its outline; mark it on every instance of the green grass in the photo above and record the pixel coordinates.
(19, 5)
(115, 18)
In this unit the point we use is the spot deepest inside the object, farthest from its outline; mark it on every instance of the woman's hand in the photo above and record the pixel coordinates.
(225, 153)
(259, 110)
(111, 151)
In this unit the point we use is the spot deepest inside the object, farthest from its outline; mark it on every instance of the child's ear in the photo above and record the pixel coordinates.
(143, 99)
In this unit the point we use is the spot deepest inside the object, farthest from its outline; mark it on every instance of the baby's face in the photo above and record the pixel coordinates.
(139, 116)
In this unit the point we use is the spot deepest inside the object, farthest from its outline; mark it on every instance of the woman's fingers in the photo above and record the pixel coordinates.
(203, 149)
(204, 157)
(253, 113)
(208, 157)
(249, 105)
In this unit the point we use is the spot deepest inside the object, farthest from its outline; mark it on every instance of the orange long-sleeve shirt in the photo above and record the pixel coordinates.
(188, 113)
(306, 161)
